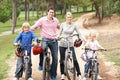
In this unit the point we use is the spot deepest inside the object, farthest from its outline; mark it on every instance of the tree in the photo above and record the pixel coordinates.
(6, 10)
(14, 15)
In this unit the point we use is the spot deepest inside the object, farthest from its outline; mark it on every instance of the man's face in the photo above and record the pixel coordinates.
(51, 13)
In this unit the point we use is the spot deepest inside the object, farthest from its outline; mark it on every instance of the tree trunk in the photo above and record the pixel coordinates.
(14, 15)
(102, 14)
(77, 9)
(37, 8)
(54, 3)
(28, 12)
(33, 9)
(25, 10)
(64, 10)
(97, 12)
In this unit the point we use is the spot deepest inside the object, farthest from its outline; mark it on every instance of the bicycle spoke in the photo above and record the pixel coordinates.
(46, 69)
(69, 69)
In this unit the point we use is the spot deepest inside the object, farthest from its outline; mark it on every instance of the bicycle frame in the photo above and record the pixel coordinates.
(93, 70)
(24, 67)
(93, 67)
(46, 62)
(69, 62)
(69, 67)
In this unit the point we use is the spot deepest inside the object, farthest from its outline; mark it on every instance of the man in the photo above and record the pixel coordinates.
(48, 26)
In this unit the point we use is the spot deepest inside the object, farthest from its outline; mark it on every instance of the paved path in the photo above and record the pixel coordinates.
(8, 32)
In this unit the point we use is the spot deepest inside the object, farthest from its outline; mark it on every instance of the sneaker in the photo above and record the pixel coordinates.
(40, 68)
(79, 77)
(15, 78)
(54, 78)
(84, 78)
(30, 78)
(99, 78)
(63, 77)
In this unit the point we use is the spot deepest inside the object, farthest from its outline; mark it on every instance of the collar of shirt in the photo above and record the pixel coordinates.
(46, 18)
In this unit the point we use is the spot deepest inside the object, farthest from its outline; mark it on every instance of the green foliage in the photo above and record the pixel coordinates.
(6, 51)
(112, 6)
(6, 10)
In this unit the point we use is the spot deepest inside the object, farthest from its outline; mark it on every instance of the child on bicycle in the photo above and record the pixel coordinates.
(91, 43)
(25, 38)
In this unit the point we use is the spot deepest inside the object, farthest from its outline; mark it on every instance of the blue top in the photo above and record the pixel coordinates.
(25, 39)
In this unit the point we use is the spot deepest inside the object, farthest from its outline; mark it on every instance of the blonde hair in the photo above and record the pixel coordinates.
(92, 33)
(25, 24)
(69, 13)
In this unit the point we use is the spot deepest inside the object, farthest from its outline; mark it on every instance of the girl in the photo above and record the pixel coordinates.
(91, 43)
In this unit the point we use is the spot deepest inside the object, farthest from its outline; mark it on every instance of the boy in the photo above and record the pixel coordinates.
(25, 39)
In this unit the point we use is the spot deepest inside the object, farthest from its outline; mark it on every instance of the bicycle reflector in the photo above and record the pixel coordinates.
(19, 52)
(77, 42)
(37, 50)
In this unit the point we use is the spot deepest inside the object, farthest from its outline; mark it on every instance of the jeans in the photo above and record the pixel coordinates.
(53, 46)
(87, 66)
(62, 59)
(20, 62)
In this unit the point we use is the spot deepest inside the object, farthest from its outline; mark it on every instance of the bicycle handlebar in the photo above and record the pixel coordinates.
(59, 38)
(94, 49)
(24, 46)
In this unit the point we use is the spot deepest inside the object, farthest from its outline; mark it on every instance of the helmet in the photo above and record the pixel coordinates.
(37, 50)
(78, 43)
(19, 52)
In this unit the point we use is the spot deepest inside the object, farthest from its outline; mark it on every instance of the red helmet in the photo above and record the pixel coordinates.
(19, 52)
(78, 43)
(37, 50)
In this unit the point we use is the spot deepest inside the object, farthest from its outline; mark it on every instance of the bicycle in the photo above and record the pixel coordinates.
(46, 62)
(93, 67)
(69, 68)
(24, 67)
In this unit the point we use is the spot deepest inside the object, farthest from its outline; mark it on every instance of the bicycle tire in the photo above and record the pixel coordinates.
(69, 68)
(46, 68)
(26, 69)
(94, 72)
(20, 70)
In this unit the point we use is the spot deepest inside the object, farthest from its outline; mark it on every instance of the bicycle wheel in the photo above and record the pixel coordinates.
(46, 68)
(69, 68)
(20, 70)
(26, 69)
(94, 72)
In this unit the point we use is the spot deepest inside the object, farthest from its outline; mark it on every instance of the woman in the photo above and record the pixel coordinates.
(66, 29)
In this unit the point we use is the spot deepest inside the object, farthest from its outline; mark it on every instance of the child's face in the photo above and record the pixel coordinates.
(26, 28)
(92, 37)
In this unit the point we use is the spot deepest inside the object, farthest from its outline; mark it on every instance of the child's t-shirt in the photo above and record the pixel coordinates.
(92, 45)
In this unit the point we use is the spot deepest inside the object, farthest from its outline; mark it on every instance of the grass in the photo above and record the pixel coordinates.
(6, 51)
(111, 42)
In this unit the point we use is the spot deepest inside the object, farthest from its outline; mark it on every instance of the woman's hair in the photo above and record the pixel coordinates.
(69, 13)
(25, 24)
